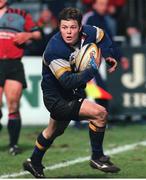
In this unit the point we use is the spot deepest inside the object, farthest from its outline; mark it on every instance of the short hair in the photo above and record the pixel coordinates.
(71, 14)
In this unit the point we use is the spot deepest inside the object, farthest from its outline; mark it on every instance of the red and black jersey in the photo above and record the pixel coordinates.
(12, 22)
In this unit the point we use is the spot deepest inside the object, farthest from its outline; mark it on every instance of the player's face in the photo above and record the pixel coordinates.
(2, 3)
(70, 31)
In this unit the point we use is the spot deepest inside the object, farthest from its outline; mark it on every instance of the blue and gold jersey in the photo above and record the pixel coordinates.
(59, 80)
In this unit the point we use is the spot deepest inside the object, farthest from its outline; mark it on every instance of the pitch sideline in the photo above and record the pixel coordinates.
(113, 151)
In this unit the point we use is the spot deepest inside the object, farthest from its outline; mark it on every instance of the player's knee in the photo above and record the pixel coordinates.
(101, 113)
(13, 106)
(101, 117)
(102, 122)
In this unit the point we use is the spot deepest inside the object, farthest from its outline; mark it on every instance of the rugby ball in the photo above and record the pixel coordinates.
(84, 55)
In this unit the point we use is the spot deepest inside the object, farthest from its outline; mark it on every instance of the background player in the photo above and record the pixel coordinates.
(63, 90)
(16, 28)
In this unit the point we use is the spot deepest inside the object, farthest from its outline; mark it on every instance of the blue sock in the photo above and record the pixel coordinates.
(40, 148)
(96, 135)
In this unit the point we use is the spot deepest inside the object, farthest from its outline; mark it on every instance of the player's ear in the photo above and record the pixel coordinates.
(80, 28)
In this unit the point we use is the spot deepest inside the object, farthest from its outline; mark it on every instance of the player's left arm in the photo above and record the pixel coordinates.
(107, 49)
(32, 32)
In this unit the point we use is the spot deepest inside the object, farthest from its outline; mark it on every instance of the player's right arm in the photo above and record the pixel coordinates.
(61, 69)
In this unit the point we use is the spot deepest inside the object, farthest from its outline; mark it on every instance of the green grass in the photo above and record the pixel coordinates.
(75, 143)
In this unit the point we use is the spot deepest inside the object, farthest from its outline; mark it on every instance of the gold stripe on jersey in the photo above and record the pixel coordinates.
(59, 67)
(61, 71)
(99, 34)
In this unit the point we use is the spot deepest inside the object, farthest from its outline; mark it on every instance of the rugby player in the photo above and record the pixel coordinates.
(16, 28)
(63, 90)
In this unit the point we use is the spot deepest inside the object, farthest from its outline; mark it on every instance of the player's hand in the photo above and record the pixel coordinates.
(22, 38)
(112, 63)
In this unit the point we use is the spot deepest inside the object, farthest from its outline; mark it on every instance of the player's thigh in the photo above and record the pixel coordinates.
(13, 90)
(91, 110)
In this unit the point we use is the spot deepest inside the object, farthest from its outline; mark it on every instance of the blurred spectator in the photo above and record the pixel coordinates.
(133, 34)
(112, 19)
(114, 16)
(116, 11)
(47, 21)
(48, 25)
(99, 15)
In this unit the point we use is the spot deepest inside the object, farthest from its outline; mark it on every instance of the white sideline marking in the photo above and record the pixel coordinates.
(113, 151)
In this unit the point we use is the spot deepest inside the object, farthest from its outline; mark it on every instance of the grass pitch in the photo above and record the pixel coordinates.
(73, 144)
